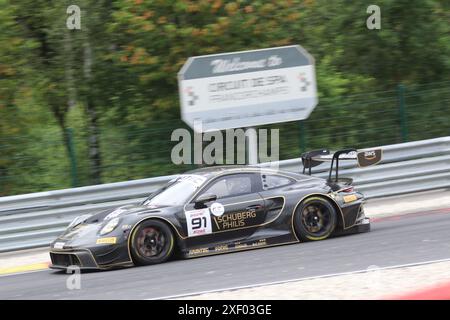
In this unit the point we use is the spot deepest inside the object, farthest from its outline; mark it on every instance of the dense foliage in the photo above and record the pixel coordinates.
(96, 105)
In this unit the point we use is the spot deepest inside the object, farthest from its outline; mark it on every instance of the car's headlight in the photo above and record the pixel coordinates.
(110, 226)
(79, 220)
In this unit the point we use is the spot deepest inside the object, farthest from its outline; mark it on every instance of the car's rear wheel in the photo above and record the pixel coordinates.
(152, 242)
(315, 219)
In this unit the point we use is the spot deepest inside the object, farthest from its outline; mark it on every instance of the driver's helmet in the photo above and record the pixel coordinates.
(233, 186)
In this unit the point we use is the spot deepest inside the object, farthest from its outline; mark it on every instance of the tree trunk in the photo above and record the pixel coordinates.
(91, 112)
(94, 142)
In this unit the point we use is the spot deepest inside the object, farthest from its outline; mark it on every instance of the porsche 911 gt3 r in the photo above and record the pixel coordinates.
(217, 210)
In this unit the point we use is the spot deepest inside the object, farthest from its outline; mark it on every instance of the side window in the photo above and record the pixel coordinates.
(270, 181)
(231, 185)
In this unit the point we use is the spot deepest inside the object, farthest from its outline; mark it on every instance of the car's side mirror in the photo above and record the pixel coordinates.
(202, 199)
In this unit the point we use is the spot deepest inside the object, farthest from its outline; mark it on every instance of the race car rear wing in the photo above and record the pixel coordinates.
(364, 158)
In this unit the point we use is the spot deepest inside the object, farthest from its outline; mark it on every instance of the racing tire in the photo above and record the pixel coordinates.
(315, 219)
(152, 242)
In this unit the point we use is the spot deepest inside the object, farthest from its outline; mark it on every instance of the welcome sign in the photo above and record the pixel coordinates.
(247, 88)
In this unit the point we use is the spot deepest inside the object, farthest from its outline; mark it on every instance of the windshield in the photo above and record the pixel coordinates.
(177, 192)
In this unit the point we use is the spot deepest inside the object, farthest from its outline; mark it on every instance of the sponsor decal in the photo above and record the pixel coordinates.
(261, 242)
(198, 251)
(240, 245)
(221, 248)
(59, 245)
(217, 209)
(227, 247)
(110, 240)
(369, 157)
(198, 222)
(350, 198)
(234, 220)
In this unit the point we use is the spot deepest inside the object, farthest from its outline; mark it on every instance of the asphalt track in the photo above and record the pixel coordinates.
(412, 238)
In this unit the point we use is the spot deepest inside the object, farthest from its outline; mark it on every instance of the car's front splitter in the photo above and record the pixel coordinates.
(87, 259)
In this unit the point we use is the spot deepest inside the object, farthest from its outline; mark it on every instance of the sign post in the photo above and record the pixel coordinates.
(247, 88)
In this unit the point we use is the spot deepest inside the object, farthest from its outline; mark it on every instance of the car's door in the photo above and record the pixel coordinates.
(237, 209)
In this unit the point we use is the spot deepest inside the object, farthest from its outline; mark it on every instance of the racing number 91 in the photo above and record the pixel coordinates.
(198, 223)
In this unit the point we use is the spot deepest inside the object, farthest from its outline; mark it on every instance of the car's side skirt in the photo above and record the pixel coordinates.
(238, 246)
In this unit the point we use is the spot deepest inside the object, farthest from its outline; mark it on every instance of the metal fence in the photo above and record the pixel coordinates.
(38, 158)
(33, 220)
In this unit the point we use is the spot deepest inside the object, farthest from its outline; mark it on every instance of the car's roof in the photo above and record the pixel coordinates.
(217, 169)
(213, 171)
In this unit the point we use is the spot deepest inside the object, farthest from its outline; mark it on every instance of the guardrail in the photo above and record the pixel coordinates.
(33, 220)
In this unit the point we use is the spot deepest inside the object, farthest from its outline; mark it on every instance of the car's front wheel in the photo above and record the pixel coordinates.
(152, 242)
(315, 219)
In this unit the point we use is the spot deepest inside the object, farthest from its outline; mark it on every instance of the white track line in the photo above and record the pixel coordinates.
(414, 264)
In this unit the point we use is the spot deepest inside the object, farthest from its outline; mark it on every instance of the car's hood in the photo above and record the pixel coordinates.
(125, 211)
(93, 224)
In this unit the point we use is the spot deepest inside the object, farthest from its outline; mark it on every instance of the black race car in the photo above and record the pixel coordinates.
(217, 210)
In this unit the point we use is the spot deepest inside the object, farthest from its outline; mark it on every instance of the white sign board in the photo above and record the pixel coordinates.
(248, 88)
